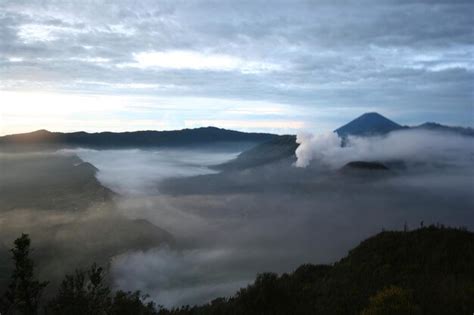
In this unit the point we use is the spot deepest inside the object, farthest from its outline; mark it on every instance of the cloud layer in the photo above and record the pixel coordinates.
(410, 146)
(325, 61)
(229, 227)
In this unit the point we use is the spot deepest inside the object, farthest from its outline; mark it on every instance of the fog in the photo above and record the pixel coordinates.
(412, 146)
(285, 216)
(227, 227)
(136, 171)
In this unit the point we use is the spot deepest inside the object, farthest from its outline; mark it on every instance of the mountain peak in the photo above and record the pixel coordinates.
(41, 132)
(368, 124)
(372, 115)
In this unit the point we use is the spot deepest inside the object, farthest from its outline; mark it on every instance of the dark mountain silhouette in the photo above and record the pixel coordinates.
(175, 138)
(438, 127)
(368, 124)
(279, 148)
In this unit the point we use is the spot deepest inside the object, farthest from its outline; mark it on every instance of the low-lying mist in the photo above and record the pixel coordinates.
(410, 146)
(227, 227)
(136, 171)
(287, 216)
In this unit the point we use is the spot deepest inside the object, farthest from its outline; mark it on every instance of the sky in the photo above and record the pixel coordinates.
(275, 66)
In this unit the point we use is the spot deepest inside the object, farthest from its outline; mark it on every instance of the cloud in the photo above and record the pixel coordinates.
(411, 146)
(180, 277)
(285, 217)
(396, 54)
(104, 112)
(192, 60)
(229, 227)
(254, 124)
(319, 147)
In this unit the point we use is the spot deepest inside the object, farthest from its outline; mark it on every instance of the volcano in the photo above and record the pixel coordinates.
(368, 124)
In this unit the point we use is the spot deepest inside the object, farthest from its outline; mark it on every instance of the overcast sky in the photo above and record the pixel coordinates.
(278, 66)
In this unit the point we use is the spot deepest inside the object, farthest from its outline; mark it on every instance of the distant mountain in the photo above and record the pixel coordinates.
(368, 124)
(283, 147)
(175, 138)
(438, 127)
(278, 148)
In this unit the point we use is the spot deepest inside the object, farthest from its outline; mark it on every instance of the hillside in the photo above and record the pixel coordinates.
(73, 217)
(279, 148)
(175, 138)
(52, 182)
(426, 271)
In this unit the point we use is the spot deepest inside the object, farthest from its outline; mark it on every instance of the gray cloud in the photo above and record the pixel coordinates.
(391, 54)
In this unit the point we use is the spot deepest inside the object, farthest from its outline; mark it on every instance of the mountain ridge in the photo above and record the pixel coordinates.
(145, 138)
(434, 126)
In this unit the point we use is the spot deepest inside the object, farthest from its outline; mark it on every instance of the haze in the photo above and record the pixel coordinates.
(187, 146)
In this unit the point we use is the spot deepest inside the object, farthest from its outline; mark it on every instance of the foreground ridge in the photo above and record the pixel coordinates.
(425, 271)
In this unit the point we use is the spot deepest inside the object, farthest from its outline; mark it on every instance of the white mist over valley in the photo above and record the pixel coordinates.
(290, 212)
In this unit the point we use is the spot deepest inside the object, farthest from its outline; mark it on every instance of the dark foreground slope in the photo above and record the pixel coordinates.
(427, 271)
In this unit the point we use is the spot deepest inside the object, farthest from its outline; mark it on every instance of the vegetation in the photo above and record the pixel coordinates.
(426, 271)
(87, 293)
(391, 301)
(24, 292)
(84, 292)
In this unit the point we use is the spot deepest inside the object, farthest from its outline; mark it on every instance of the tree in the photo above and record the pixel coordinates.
(24, 292)
(391, 301)
(82, 293)
(87, 293)
(125, 303)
